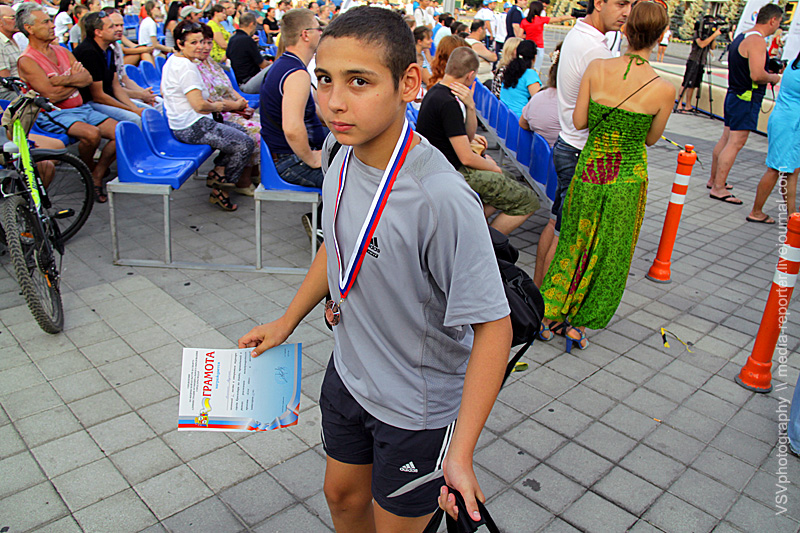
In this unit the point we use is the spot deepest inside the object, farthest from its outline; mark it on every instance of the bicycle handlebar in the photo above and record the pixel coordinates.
(17, 85)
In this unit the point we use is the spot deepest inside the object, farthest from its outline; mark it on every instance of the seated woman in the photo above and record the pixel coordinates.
(509, 52)
(540, 114)
(171, 21)
(219, 88)
(221, 35)
(188, 108)
(520, 81)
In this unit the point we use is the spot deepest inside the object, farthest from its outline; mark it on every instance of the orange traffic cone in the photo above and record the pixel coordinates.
(660, 271)
(756, 373)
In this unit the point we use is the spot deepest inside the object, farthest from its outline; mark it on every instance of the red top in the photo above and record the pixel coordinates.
(534, 31)
(62, 68)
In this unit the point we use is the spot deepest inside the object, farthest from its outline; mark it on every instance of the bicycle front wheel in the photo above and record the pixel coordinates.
(33, 258)
(71, 188)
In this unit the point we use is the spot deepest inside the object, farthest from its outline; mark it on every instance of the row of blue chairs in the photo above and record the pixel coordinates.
(530, 149)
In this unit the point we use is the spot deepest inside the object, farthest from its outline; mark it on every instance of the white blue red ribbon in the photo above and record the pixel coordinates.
(347, 277)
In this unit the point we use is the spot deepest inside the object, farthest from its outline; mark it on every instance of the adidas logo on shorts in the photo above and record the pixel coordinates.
(409, 467)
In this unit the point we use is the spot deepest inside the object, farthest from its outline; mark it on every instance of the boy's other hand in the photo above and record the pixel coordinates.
(493, 162)
(262, 338)
(462, 478)
(463, 93)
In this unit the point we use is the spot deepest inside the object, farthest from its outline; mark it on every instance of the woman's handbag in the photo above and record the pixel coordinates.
(464, 524)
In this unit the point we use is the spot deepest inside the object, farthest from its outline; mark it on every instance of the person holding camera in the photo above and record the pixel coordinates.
(696, 64)
(747, 84)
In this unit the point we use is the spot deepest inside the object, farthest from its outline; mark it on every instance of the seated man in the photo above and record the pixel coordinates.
(246, 61)
(104, 94)
(52, 71)
(441, 121)
(476, 39)
(141, 96)
(289, 123)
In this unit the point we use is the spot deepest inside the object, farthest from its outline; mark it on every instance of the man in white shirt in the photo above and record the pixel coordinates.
(148, 30)
(499, 29)
(421, 15)
(445, 20)
(584, 43)
(486, 14)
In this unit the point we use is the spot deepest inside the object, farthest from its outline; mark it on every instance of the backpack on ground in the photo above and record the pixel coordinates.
(524, 298)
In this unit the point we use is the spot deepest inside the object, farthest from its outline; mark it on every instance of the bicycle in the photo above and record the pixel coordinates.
(29, 214)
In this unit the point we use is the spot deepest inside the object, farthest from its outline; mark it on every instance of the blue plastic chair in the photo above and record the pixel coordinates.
(160, 62)
(130, 22)
(272, 50)
(512, 133)
(502, 121)
(36, 130)
(136, 76)
(151, 75)
(163, 143)
(492, 107)
(136, 163)
(252, 99)
(525, 148)
(262, 38)
(541, 159)
(270, 178)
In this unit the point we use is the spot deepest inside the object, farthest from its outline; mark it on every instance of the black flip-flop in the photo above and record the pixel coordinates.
(727, 187)
(725, 199)
(766, 220)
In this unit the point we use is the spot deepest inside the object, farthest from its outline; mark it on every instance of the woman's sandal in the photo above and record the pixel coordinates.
(544, 329)
(100, 195)
(224, 202)
(215, 181)
(580, 343)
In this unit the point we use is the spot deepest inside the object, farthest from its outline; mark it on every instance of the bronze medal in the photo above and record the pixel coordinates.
(332, 313)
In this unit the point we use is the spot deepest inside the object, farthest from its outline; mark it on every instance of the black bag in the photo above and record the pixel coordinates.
(464, 524)
(524, 298)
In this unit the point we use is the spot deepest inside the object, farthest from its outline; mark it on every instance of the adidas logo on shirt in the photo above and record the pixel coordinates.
(409, 467)
(373, 249)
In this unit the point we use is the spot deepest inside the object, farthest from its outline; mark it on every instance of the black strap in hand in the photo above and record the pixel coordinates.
(465, 523)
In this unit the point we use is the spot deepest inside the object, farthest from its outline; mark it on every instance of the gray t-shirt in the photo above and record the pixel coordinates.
(405, 337)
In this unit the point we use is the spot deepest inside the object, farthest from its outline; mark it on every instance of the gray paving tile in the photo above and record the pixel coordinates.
(29, 401)
(161, 417)
(159, 459)
(122, 512)
(296, 518)
(67, 453)
(272, 447)
(309, 426)
(610, 385)
(741, 446)
(673, 514)
(10, 441)
(632, 493)
(722, 388)
(653, 466)
(32, 507)
(89, 484)
(301, 486)
(535, 439)
(710, 405)
(626, 420)
(81, 385)
(523, 397)
(210, 515)
(548, 381)
(587, 401)
(120, 433)
(630, 370)
(66, 524)
(172, 491)
(580, 464)
(505, 512)
(47, 425)
(724, 468)
(99, 408)
(563, 419)
(559, 526)
(225, 467)
(605, 441)
(147, 391)
(572, 366)
(505, 460)
(593, 513)
(19, 472)
(674, 444)
(503, 418)
(257, 498)
(704, 493)
(20, 377)
(549, 488)
(651, 404)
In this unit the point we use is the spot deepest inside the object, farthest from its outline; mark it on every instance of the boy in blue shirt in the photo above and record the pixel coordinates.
(420, 319)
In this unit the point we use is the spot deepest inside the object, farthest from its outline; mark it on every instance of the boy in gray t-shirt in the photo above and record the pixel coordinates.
(420, 317)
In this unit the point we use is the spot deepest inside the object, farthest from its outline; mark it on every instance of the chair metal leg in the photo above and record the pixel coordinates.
(258, 234)
(167, 232)
(113, 219)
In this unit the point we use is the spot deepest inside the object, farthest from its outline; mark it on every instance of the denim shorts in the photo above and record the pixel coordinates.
(292, 169)
(67, 117)
(565, 159)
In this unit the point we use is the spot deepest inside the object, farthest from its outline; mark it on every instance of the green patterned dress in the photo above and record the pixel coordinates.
(603, 212)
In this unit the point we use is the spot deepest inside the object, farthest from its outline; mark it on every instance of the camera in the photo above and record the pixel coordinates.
(579, 12)
(710, 23)
(775, 65)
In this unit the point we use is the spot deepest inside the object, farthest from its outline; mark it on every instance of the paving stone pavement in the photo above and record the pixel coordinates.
(625, 435)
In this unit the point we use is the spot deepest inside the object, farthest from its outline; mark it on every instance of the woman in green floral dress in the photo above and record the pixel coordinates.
(625, 105)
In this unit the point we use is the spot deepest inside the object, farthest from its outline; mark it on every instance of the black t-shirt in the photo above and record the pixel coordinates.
(697, 54)
(440, 117)
(100, 64)
(514, 16)
(244, 55)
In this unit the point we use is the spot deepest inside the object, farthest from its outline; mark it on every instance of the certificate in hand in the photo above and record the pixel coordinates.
(229, 390)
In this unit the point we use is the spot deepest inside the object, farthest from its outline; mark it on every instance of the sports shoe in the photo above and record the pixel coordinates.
(306, 219)
(250, 190)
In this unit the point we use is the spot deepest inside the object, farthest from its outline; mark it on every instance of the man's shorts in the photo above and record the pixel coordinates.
(565, 159)
(742, 114)
(693, 76)
(292, 169)
(501, 191)
(406, 465)
(59, 120)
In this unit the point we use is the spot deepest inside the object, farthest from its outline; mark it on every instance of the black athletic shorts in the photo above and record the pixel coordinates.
(406, 465)
(693, 76)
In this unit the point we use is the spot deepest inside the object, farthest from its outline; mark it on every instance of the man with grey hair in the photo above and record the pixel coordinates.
(53, 72)
(441, 121)
(246, 61)
(9, 49)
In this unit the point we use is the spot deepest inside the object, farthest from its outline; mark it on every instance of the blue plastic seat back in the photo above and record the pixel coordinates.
(525, 147)
(135, 75)
(136, 163)
(160, 62)
(502, 121)
(270, 178)
(492, 107)
(552, 180)
(162, 141)
(151, 74)
(512, 133)
(262, 38)
(252, 99)
(541, 159)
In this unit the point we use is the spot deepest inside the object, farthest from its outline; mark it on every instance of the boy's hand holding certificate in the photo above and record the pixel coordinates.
(229, 390)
